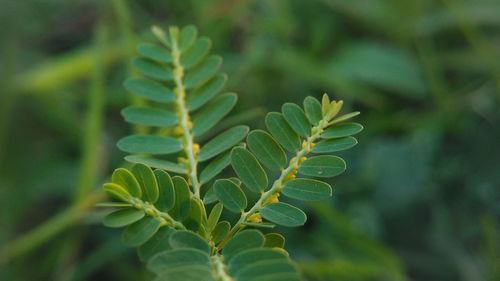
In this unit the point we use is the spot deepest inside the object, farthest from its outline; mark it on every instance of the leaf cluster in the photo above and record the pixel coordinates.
(166, 217)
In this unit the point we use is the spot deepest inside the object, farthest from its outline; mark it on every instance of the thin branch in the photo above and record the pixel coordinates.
(183, 113)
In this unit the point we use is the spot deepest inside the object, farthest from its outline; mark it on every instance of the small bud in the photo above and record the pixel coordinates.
(272, 199)
(150, 212)
(304, 143)
(190, 125)
(178, 131)
(196, 148)
(255, 218)
(302, 160)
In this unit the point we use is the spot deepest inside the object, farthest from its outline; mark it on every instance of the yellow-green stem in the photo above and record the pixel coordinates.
(183, 114)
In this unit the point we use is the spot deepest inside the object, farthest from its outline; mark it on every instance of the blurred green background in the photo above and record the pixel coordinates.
(421, 196)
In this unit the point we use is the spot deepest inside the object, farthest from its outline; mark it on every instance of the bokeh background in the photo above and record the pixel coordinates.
(421, 196)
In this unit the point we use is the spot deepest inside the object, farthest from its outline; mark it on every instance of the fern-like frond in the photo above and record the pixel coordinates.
(165, 217)
(180, 78)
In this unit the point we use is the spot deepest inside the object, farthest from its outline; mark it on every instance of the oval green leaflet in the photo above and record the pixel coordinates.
(213, 113)
(230, 195)
(222, 142)
(166, 195)
(324, 166)
(149, 116)
(246, 239)
(334, 145)
(296, 118)
(153, 69)
(220, 231)
(252, 256)
(178, 258)
(266, 149)
(283, 214)
(248, 169)
(182, 199)
(196, 52)
(307, 189)
(149, 89)
(154, 52)
(282, 132)
(149, 144)
(157, 163)
(202, 71)
(312, 108)
(147, 181)
(141, 231)
(274, 240)
(127, 180)
(116, 191)
(342, 130)
(123, 217)
(201, 95)
(188, 239)
(158, 243)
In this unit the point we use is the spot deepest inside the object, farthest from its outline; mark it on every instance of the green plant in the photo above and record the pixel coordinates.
(167, 218)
